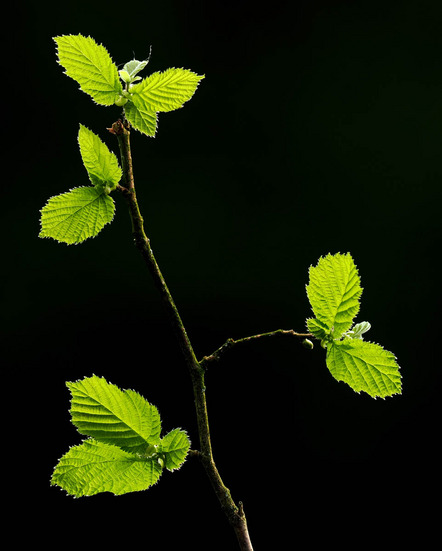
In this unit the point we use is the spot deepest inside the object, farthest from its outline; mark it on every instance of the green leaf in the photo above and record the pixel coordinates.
(334, 290)
(125, 76)
(100, 163)
(359, 329)
(318, 329)
(133, 67)
(159, 92)
(364, 366)
(94, 467)
(114, 416)
(167, 90)
(125, 453)
(76, 215)
(175, 446)
(140, 117)
(91, 66)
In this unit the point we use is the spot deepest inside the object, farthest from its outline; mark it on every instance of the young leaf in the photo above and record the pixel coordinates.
(94, 467)
(113, 416)
(91, 66)
(359, 329)
(334, 290)
(364, 366)
(100, 163)
(125, 76)
(175, 446)
(76, 215)
(133, 67)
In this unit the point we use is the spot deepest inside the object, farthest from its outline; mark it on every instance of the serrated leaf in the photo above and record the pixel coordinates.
(167, 90)
(101, 164)
(91, 66)
(94, 467)
(318, 329)
(76, 215)
(364, 366)
(175, 446)
(140, 117)
(334, 290)
(114, 416)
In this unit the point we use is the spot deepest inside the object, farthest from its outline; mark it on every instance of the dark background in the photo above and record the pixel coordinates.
(317, 129)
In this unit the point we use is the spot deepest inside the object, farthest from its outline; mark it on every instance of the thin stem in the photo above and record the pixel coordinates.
(234, 513)
(230, 343)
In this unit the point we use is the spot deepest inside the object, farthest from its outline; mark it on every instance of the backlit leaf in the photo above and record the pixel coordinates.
(94, 467)
(91, 66)
(141, 117)
(364, 366)
(175, 446)
(334, 290)
(77, 214)
(101, 164)
(167, 90)
(114, 416)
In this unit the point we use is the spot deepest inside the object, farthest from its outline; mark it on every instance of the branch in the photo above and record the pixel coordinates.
(234, 513)
(230, 343)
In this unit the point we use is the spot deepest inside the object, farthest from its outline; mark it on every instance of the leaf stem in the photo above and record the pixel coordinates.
(234, 513)
(230, 343)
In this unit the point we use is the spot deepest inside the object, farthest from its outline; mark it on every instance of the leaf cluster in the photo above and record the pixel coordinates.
(82, 212)
(92, 67)
(334, 292)
(125, 452)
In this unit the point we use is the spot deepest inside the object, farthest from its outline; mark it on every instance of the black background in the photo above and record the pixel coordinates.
(317, 129)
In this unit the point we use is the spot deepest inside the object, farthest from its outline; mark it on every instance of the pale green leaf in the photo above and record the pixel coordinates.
(334, 290)
(101, 164)
(91, 66)
(114, 416)
(77, 214)
(364, 366)
(359, 329)
(167, 90)
(94, 467)
(125, 76)
(140, 117)
(133, 67)
(175, 446)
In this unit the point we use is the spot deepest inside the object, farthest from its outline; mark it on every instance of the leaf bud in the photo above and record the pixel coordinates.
(307, 344)
(120, 101)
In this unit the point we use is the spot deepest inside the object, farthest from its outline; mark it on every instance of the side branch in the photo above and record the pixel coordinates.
(230, 343)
